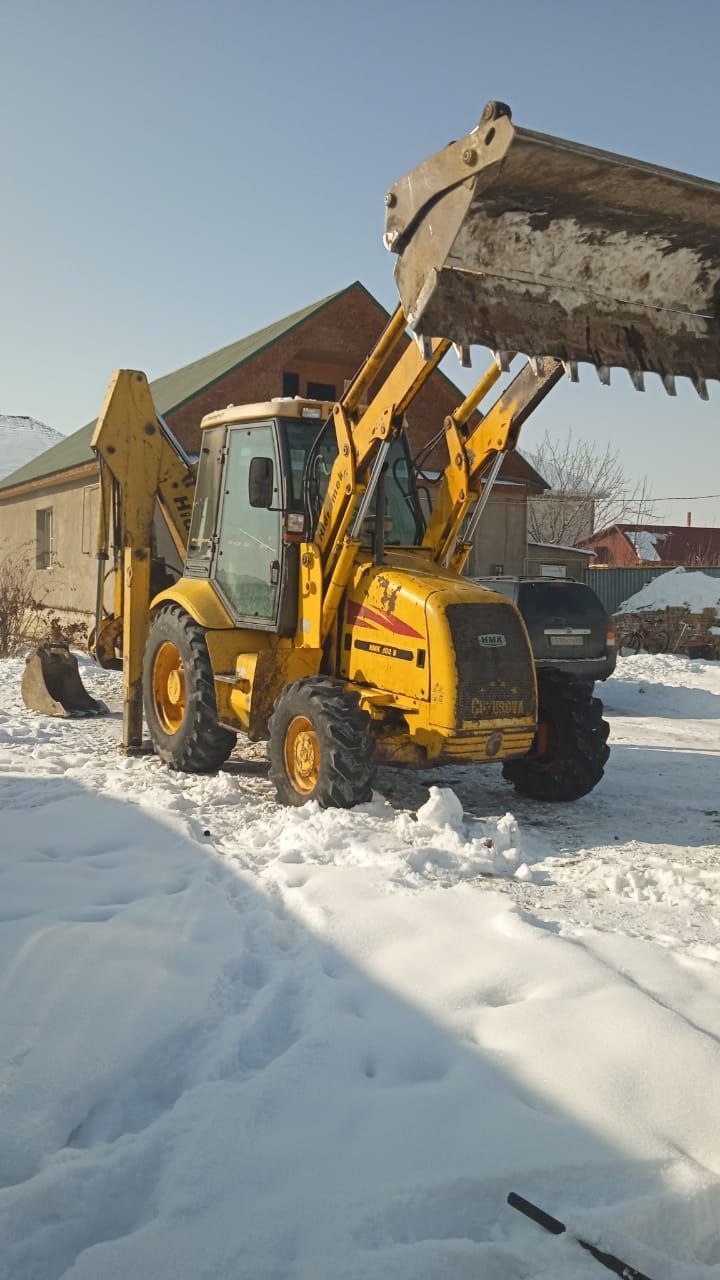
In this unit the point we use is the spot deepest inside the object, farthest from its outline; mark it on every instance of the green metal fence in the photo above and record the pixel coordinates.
(613, 586)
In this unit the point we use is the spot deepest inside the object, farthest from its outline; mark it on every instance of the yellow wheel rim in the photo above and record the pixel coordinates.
(168, 686)
(302, 754)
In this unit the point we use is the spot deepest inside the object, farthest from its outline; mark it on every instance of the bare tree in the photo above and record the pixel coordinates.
(588, 490)
(24, 616)
(20, 610)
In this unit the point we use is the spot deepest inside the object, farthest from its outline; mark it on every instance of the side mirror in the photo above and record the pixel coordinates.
(261, 482)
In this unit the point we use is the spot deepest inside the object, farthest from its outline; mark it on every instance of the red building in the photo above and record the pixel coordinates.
(654, 544)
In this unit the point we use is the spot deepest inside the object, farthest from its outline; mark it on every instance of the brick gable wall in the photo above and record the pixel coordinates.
(328, 348)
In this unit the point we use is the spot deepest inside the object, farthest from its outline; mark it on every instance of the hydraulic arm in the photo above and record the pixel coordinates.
(141, 466)
(364, 437)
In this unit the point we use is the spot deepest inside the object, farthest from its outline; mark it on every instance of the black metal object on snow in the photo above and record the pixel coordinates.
(557, 1228)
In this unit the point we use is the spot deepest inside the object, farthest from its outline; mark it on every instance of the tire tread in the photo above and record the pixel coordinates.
(205, 745)
(581, 761)
(348, 768)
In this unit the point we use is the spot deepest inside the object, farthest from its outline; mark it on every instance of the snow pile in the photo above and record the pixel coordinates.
(250, 1042)
(677, 588)
(667, 685)
(436, 845)
(21, 440)
(668, 884)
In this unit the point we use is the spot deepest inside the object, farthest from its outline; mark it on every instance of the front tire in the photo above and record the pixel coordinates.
(179, 695)
(570, 751)
(321, 747)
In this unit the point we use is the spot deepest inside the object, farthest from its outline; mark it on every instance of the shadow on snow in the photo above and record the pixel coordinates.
(196, 1084)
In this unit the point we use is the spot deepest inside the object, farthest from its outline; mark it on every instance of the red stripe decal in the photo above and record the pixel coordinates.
(360, 615)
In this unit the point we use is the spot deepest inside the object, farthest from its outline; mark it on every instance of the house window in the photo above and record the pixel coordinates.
(44, 538)
(89, 518)
(553, 571)
(321, 391)
(291, 384)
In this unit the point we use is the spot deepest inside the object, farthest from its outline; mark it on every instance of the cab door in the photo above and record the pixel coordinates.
(248, 562)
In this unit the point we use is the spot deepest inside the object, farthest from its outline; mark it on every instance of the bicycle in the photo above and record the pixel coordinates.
(645, 638)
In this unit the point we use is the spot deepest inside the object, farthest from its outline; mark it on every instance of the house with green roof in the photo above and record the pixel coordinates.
(49, 507)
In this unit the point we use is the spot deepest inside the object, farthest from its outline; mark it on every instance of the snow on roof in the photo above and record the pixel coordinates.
(670, 544)
(645, 542)
(675, 589)
(21, 439)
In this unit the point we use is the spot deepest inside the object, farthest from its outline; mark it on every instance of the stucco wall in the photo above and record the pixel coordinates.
(68, 585)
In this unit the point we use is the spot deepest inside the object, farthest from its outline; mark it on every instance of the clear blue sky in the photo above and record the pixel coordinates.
(176, 175)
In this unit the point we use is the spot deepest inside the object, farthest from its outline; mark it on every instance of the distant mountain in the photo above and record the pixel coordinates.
(21, 440)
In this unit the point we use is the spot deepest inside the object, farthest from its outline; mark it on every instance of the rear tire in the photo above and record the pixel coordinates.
(570, 752)
(179, 695)
(658, 642)
(321, 746)
(630, 642)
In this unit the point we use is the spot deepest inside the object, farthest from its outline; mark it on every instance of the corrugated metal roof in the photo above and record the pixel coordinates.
(667, 543)
(171, 391)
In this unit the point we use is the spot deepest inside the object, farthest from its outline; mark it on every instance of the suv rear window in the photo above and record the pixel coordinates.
(572, 599)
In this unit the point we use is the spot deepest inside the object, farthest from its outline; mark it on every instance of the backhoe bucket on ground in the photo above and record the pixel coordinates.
(51, 684)
(523, 242)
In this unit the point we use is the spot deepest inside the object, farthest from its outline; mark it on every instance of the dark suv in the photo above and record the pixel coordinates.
(569, 630)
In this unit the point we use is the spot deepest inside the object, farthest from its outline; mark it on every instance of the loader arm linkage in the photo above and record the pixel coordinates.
(364, 438)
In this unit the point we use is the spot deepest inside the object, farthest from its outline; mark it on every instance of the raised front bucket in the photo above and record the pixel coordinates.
(523, 242)
(51, 684)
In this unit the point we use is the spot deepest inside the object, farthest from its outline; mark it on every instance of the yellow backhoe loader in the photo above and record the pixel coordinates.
(318, 608)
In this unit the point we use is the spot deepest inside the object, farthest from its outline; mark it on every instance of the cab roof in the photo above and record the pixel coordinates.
(280, 407)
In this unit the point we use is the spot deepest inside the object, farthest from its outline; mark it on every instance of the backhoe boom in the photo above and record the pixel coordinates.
(141, 466)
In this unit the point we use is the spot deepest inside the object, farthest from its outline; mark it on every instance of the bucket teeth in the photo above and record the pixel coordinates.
(637, 377)
(603, 373)
(539, 244)
(425, 345)
(571, 370)
(700, 386)
(668, 381)
(502, 360)
(537, 364)
(462, 352)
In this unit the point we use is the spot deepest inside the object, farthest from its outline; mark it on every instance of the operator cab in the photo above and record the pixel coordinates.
(262, 477)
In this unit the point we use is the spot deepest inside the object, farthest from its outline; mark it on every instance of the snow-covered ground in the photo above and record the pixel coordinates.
(242, 1042)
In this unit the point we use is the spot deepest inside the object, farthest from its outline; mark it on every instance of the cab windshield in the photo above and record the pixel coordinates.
(308, 451)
